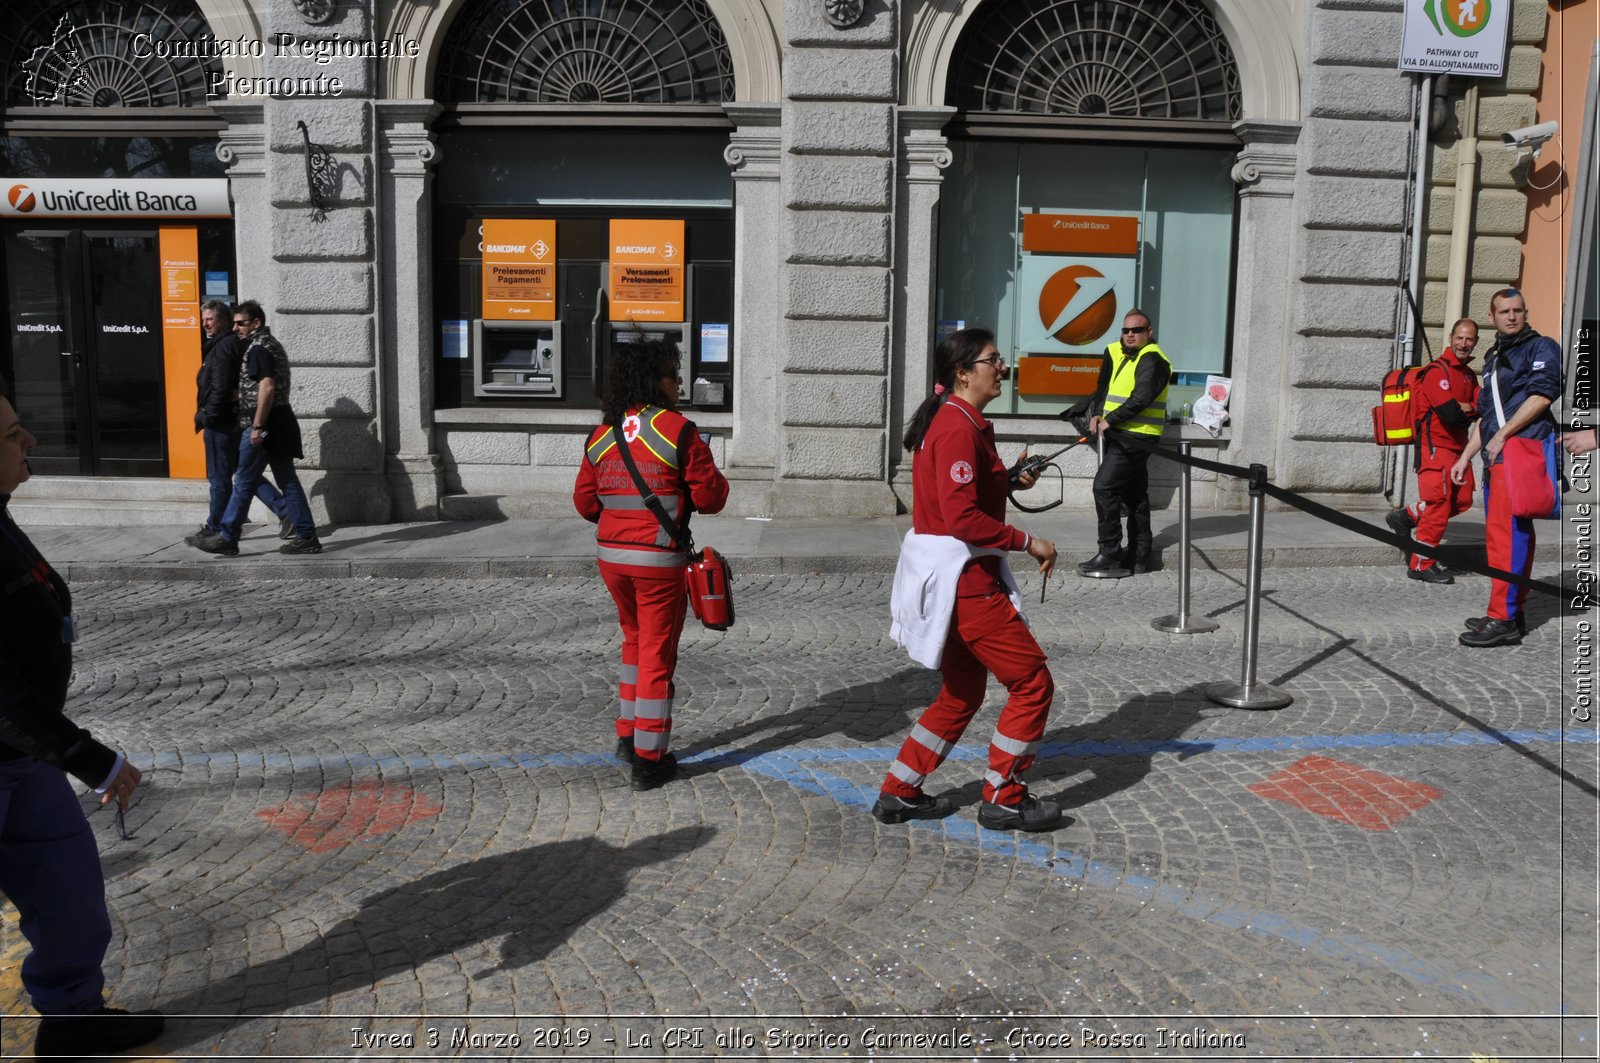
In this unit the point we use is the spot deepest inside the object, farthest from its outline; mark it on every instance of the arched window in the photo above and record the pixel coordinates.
(1165, 59)
(106, 53)
(564, 51)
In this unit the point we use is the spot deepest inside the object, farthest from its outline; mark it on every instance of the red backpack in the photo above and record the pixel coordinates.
(1402, 416)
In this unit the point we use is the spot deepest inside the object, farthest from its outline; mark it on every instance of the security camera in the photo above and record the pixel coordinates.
(1529, 139)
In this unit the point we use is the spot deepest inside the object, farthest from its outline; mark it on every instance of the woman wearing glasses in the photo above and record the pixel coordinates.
(49, 866)
(642, 564)
(955, 602)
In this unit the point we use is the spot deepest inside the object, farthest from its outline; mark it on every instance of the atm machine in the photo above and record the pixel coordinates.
(519, 359)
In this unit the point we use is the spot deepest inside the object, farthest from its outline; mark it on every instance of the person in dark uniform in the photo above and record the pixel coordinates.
(49, 867)
(1130, 401)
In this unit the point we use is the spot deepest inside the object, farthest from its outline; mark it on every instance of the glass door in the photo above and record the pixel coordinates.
(86, 356)
(124, 367)
(46, 344)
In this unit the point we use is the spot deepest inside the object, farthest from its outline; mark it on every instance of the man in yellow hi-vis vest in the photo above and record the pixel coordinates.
(1130, 399)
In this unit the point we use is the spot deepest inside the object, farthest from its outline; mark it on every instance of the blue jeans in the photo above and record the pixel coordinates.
(50, 869)
(254, 461)
(222, 460)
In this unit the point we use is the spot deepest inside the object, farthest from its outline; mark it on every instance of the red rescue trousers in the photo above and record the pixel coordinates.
(650, 609)
(1438, 501)
(986, 635)
(1509, 542)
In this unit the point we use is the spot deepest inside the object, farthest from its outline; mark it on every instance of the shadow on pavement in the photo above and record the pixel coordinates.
(867, 712)
(1116, 752)
(538, 896)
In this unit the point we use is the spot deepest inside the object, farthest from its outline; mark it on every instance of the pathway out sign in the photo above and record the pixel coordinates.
(1456, 37)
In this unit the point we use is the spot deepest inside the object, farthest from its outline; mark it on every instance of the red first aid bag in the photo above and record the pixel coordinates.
(711, 590)
(1394, 420)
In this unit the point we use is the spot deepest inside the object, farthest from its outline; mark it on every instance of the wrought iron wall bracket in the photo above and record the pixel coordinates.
(321, 179)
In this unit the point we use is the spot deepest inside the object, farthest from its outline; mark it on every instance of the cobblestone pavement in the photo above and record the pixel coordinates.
(384, 813)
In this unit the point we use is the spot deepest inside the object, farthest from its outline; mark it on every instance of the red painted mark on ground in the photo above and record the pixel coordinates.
(332, 819)
(1365, 798)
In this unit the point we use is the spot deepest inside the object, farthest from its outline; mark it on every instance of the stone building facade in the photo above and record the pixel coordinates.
(852, 141)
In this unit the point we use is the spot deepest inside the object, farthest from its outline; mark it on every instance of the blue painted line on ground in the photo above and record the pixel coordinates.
(882, 754)
(1476, 986)
(796, 767)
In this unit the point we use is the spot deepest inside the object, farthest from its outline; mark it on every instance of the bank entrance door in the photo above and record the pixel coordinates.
(86, 355)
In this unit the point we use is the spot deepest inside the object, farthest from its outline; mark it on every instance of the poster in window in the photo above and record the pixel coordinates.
(519, 269)
(647, 269)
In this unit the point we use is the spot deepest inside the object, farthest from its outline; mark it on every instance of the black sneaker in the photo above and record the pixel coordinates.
(104, 1032)
(625, 750)
(313, 545)
(1400, 522)
(892, 809)
(1478, 623)
(215, 544)
(285, 528)
(649, 774)
(1432, 574)
(1029, 814)
(1494, 633)
(189, 540)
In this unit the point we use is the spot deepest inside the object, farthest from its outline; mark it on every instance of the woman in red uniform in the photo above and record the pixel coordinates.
(641, 564)
(956, 605)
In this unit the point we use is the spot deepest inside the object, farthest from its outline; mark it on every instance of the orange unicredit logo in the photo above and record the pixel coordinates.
(1077, 305)
(21, 198)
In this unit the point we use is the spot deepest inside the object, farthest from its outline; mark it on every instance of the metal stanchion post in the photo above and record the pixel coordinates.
(1247, 693)
(1181, 624)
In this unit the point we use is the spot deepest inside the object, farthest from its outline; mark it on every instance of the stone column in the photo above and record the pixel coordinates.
(1265, 173)
(407, 329)
(754, 153)
(243, 147)
(323, 309)
(924, 154)
(838, 137)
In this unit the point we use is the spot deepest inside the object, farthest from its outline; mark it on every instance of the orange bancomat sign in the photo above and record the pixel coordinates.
(519, 269)
(646, 269)
(1062, 376)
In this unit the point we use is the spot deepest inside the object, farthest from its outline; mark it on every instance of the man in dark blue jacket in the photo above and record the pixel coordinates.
(49, 866)
(1524, 369)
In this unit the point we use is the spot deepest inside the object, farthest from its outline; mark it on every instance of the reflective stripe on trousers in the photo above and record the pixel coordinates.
(650, 611)
(986, 635)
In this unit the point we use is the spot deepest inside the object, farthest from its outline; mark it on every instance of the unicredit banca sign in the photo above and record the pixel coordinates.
(111, 197)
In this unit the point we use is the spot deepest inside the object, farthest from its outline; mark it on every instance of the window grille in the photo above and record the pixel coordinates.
(1096, 58)
(106, 53)
(586, 51)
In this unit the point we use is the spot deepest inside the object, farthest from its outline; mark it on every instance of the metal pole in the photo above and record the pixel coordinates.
(1247, 693)
(1181, 624)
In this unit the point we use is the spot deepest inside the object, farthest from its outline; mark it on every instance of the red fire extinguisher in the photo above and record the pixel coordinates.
(711, 590)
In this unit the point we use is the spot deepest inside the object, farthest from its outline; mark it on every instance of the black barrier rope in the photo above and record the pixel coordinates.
(1333, 516)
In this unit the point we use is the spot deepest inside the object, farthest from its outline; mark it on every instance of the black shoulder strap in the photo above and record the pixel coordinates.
(652, 503)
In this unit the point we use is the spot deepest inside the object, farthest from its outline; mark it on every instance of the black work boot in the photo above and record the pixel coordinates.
(103, 1032)
(1029, 814)
(1494, 633)
(1477, 623)
(625, 750)
(649, 774)
(1104, 561)
(892, 809)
